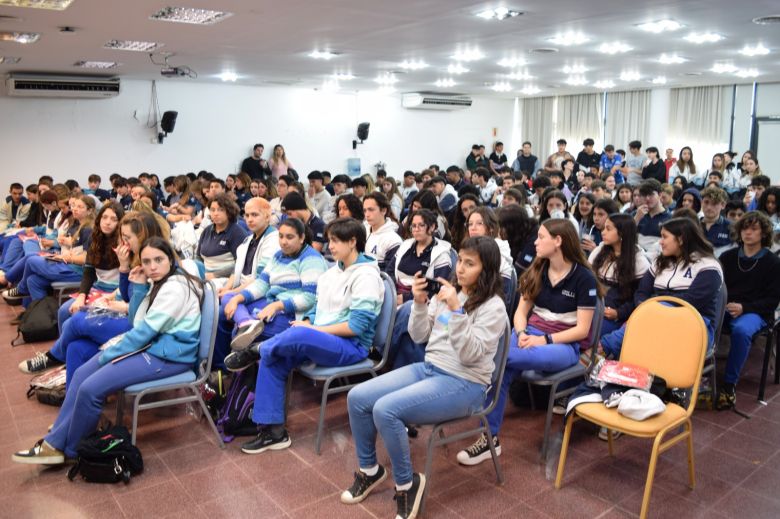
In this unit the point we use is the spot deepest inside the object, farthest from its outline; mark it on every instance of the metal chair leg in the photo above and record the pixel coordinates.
(321, 423)
(765, 367)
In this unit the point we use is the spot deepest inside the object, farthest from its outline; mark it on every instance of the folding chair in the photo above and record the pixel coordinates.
(710, 362)
(64, 288)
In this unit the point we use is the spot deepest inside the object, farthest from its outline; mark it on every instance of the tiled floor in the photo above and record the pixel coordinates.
(186, 475)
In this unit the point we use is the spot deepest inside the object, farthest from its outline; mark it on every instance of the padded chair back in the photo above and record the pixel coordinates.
(208, 324)
(384, 324)
(668, 336)
(510, 289)
(499, 366)
(594, 335)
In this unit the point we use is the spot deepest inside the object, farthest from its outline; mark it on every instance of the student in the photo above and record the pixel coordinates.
(390, 190)
(635, 163)
(716, 228)
(483, 222)
(650, 215)
(769, 204)
(601, 210)
(555, 160)
(349, 298)
(460, 326)
(610, 163)
(218, 243)
(466, 206)
(278, 163)
(349, 206)
(241, 191)
(166, 324)
(318, 195)
(691, 199)
(752, 276)
(382, 231)
(583, 213)
(684, 167)
(557, 299)
(735, 209)
(654, 167)
(15, 207)
(619, 264)
(294, 206)
(425, 199)
(557, 180)
(588, 158)
(445, 194)
(483, 179)
(624, 197)
(667, 197)
(555, 205)
(519, 230)
(758, 184)
(685, 268)
(498, 159)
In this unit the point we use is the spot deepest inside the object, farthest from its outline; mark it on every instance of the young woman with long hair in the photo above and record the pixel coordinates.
(349, 206)
(466, 204)
(519, 230)
(483, 222)
(425, 199)
(283, 184)
(390, 190)
(684, 167)
(556, 205)
(278, 162)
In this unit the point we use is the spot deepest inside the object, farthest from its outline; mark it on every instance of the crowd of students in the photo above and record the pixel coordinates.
(297, 271)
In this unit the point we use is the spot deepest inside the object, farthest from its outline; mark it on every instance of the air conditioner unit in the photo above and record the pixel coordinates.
(31, 85)
(427, 101)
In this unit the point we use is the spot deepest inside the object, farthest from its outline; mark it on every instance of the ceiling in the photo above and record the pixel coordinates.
(267, 43)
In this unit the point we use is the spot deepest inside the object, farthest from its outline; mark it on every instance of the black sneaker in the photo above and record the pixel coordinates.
(727, 398)
(41, 362)
(240, 360)
(407, 502)
(246, 335)
(362, 486)
(12, 296)
(266, 442)
(559, 406)
(479, 451)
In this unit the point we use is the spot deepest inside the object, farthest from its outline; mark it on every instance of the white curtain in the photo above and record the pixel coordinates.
(697, 113)
(537, 126)
(579, 117)
(628, 116)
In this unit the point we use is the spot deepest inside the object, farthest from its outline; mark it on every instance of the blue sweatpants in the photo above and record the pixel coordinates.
(742, 330)
(12, 252)
(284, 352)
(40, 273)
(29, 248)
(91, 384)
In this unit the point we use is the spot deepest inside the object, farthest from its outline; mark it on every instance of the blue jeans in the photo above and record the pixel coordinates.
(40, 273)
(742, 330)
(91, 384)
(549, 358)
(284, 352)
(405, 350)
(419, 393)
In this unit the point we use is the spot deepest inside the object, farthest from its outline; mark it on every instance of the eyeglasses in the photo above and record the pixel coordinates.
(418, 226)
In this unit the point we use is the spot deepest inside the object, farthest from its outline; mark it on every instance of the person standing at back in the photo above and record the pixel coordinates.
(254, 165)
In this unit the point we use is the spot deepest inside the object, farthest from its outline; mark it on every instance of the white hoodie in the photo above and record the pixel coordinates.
(507, 263)
(382, 241)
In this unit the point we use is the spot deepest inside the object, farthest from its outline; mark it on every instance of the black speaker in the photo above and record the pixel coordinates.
(169, 121)
(362, 131)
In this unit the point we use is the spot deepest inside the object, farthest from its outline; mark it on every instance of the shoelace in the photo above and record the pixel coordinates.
(360, 485)
(38, 361)
(478, 445)
(401, 498)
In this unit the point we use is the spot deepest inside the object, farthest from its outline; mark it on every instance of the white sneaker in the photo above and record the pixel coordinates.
(246, 335)
(478, 452)
(603, 434)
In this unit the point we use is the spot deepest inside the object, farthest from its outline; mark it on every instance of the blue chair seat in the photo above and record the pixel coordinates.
(312, 370)
(181, 378)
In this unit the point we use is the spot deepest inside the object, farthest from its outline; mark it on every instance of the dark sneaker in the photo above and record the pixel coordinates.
(240, 360)
(407, 502)
(38, 364)
(41, 454)
(479, 451)
(246, 335)
(559, 406)
(362, 486)
(12, 296)
(727, 398)
(266, 442)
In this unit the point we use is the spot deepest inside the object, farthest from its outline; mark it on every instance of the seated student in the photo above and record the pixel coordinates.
(93, 181)
(360, 187)
(735, 209)
(382, 231)
(557, 299)
(294, 206)
(425, 199)
(667, 197)
(654, 167)
(349, 206)
(752, 276)
(714, 178)
(758, 185)
(520, 231)
(219, 242)
(601, 209)
(483, 222)
(555, 205)
(690, 199)
(624, 197)
(769, 204)
(650, 215)
(15, 207)
(123, 196)
(445, 195)
(420, 253)
(241, 190)
(459, 229)
(349, 298)
(32, 229)
(619, 264)
(283, 291)
(557, 182)
(716, 227)
(166, 326)
(583, 213)
(460, 326)
(685, 268)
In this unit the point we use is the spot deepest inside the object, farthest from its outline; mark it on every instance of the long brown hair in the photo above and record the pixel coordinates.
(531, 280)
(489, 282)
(145, 226)
(101, 246)
(693, 244)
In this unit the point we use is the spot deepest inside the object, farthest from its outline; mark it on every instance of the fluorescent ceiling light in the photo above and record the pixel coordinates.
(575, 69)
(386, 79)
(747, 73)
(569, 39)
(520, 75)
(530, 90)
(8, 60)
(326, 55)
(499, 13)
(54, 5)
(138, 46)
(190, 15)
(614, 47)
(445, 83)
(630, 76)
(660, 26)
(96, 64)
(413, 64)
(346, 76)
(659, 80)
(512, 62)
(468, 55)
(501, 86)
(703, 37)
(724, 68)
(19, 37)
(577, 81)
(758, 50)
(604, 84)
(457, 68)
(228, 76)
(671, 59)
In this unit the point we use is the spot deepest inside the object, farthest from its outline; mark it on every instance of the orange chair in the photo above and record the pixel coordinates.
(667, 336)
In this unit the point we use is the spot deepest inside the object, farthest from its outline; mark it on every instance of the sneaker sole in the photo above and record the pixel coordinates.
(38, 460)
(272, 447)
(476, 460)
(245, 339)
(349, 499)
(615, 436)
(418, 497)
(237, 370)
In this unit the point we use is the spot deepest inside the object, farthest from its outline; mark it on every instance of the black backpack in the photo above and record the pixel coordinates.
(107, 456)
(39, 322)
(235, 417)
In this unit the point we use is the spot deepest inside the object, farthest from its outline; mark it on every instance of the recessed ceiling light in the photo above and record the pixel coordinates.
(724, 68)
(54, 5)
(530, 90)
(96, 64)
(138, 46)
(569, 39)
(386, 79)
(671, 59)
(703, 37)
(445, 83)
(413, 64)
(512, 62)
(758, 50)
(499, 13)
(345, 76)
(630, 76)
(747, 73)
(20, 37)
(501, 86)
(659, 80)
(468, 55)
(575, 69)
(614, 47)
(577, 81)
(386, 89)
(457, 68)
(660, 26)
(190, 15)
(228, 76)
(604, 84)
(324, 54)
(8, 60)
(520, 75)
(767, 20)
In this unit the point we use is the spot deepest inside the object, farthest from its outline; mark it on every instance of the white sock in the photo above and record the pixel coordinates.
(405, 486)
(371, 471)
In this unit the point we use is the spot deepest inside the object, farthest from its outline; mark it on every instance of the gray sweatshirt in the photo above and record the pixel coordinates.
(460, 344)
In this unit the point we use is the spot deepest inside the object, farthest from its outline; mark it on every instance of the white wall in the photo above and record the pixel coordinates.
(218, 124)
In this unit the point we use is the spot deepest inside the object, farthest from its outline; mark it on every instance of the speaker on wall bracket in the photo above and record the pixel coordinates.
(167, 124)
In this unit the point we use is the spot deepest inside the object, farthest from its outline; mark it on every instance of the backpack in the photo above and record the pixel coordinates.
(235, 417)
(39, 322)
(107, 456)
(49, 387)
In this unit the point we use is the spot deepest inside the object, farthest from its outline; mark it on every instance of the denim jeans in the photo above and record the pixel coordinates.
(742, 330)
(419, 393)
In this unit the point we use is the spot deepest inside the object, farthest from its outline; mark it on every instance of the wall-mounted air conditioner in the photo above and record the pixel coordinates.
(33, 85)
(428, 101)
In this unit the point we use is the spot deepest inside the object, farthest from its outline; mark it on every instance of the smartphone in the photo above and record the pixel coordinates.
(433, 285)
